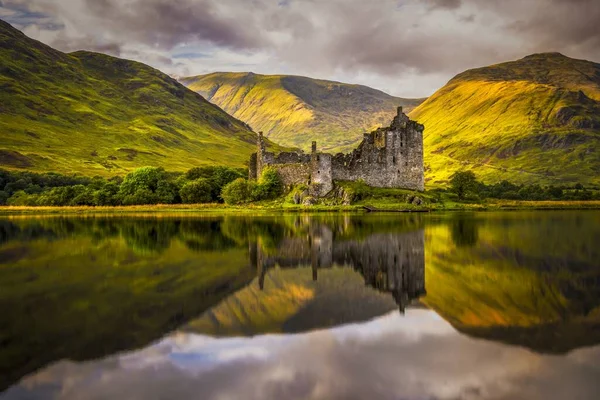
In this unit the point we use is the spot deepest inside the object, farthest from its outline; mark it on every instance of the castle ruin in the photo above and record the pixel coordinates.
(389, 157)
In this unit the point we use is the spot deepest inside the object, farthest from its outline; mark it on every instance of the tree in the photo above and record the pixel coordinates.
(107, 196)
(463, 182)
(3, 197)
(217, 176)
(237, 192)
(555, 192)
(198, 191)
(21, 198)
(270, 184)
(140, 197)
(148, 185)
(145, 178)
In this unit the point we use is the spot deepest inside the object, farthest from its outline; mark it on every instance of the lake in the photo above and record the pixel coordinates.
(328, 306)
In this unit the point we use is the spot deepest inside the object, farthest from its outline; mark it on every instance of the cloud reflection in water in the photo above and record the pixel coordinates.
(416, 356)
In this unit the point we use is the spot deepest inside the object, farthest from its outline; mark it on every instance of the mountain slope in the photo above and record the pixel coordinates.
(95, 114)
(532, 120)
(294, 110)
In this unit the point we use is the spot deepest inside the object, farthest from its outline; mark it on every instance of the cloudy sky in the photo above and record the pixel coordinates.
(405, 47)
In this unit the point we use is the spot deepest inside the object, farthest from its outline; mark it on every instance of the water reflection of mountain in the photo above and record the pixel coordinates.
(532, 279)
(82, 288)
(317, 278)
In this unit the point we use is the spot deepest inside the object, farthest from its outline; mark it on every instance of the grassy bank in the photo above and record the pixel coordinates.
(277, 206)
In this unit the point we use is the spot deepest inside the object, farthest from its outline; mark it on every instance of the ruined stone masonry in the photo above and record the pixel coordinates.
(389, 157)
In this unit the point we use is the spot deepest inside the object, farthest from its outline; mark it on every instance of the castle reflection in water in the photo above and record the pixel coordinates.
(389, 262)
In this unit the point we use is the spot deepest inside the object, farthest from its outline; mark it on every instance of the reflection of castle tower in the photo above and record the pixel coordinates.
(391, 262)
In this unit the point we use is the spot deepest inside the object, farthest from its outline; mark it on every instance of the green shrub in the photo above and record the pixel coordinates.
(107, 195)
(270, 185)
(140, 197)
(197, 191)
(83, 197)
(3, 197)
(145, 178)
(149, 185)
(21, 198)
(217, 177)
(238, 191)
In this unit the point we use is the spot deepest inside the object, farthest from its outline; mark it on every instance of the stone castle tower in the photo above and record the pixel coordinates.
(389, 157)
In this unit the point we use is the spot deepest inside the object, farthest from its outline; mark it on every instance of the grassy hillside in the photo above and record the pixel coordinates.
(94, 114)
(531, 120)
(294, 110)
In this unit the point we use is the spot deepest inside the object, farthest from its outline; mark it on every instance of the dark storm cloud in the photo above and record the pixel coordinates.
(166, 23)
(449, 4)
(384, 43)
(563, 23)
(21, 16)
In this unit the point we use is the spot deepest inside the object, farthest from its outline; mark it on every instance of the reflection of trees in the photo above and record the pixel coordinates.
(270, 232)
(147, 236)
(142, 235)
(154, 235)
(463, 228)
(205, 235)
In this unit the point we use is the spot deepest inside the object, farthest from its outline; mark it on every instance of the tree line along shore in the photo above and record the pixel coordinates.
(221, 188)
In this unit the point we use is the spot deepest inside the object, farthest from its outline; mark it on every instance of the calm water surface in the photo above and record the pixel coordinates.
(444, 306)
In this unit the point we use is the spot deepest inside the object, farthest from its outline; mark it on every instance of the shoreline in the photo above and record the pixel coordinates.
(496, 205)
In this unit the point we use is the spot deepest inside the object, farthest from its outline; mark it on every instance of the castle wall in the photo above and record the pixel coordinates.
(321, 181)
(389, 157)
(294, 174)
(252, 173)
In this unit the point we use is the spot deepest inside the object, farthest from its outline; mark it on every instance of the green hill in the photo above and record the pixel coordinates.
(94, 114)
(294, 110)
(532, 120)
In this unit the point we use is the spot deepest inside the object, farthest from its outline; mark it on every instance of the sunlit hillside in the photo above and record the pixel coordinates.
(294, 110)
(533, 120)
(99, 115)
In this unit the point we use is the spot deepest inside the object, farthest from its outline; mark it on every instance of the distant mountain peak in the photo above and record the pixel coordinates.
(536, 119)
(295, 110)
(548, 55)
